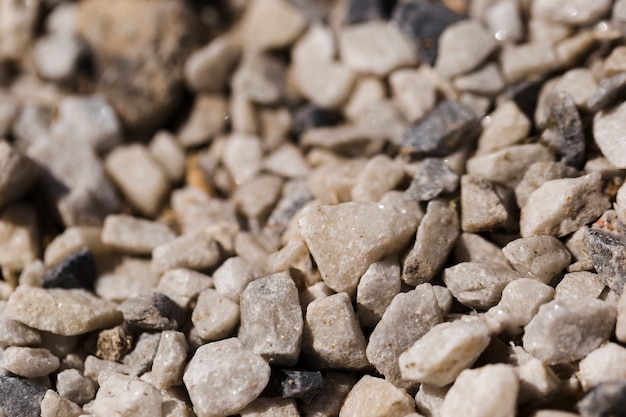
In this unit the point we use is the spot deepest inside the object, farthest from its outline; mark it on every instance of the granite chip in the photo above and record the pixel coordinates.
(485, 206)
(567, 138)
(19, 397)
(134, 235)
(77, 270)
(152, 311)
(298, 383)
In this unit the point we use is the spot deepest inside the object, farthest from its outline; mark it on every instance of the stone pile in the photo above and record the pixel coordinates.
(353, 208)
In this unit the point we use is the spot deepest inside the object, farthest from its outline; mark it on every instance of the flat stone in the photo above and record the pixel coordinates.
(330, 399)
(338, 343)
(478, 285)
(376, 397)
(126, 396)
(508, 126)
(54, 405)
(20, 397)
(209, 68)
(486, 80)
(271, 24)
(539, 257)
(416, 312)
(29, 362)
(604, 364)
(607, 92)
(567, 139)
(485, 206)
(170, 359)
(19, 235)
(528, 59)
(442, 131)
(77, 270)
(124, 278)
(471, 247)
(444, 352)
(569, 329)
(74, 386)
(579, 284)
(581, 198)
(604, 399)
(537, 174)
(134, 235)
(224, 377)
(298, 384)
(195, 250)
(432, 178)
(39, 308)
(183, 285)
(271, 319)
(606, 127)
(377, 287)
(152, 311)
(578, 12)
(169, 154)
(270, 407)
(339, 235)
(214, 315)
(462, 47)
(487, 391)
(17, 175)
(207, 119)
(14, 333)
(414, 93)
(434, 241)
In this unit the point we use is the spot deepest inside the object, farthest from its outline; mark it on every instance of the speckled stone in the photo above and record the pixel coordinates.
(214, 316)
(126, 396)
(377, 287)
(608, 252)
(567, 139)
(19, 397)
(29, 362)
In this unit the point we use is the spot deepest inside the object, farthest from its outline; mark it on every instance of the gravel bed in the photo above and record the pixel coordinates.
(317, 208)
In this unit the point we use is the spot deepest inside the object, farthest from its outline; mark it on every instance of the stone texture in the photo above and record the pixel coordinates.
(19, 397)
(537, 379)
(603, 400)
(29, 362)
(19, 234)
(578, 12)
(14, 333)
(528, 59)
(196, 250)
(169, 154)
(17, 174)
(470, 247)
(330, 399)
(77, 270)
(183, 285)
(71, 240)
(37, 308)
(74, 386)
(485, 206)
(579, 284)
(256, 197)
(539, 173)
(152, 311)
(486, 80)
(377, 287)
(270, 407)
(242, 157)
(224, 377)
(339, 235)
(325, 84)
(432, 178)
(416, 312)
(232, 277)
(337, 343)
(114, 343)
(508, 126)
(607, 252)
(125, 277)
(413, 92)
(210, 67)
(271, 24)
(604, 364)
(134, 235)
(567, 138)
(170, 359)
(606, 127)
(380, 174)
(204, 122)
(54, 405)
(376, 397)
(214, 316)
(539, 257)
(126, 396)
(569, 329)
(298, 384)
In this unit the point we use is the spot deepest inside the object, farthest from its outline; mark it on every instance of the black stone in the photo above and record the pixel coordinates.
(360, 11)
(566, 138)
(309, 117)
(442, 131)
(20, 398)
(525, 95)
(607, 399)
(77, 270)
(610, 91)
(298, 384)
(153, 311)
(424, 21)
(432, 178)
(608, 255)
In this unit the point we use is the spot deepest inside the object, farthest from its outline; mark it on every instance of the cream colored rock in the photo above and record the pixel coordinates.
(19, 234)
(183, 285)
(372, 397)
(377, 287)
(126, 396)
(380, 174)
(242, 156)
(169, 154)
(270, 24)
(170, 359)
(71, 240)
(508, 126)
(606, 363)
(532, 58)
(214, 315)
(576, 12)
(316, 45)
(134, 235)
(537, 379)
(271, 407)
(326, 84)
(414, 93)
(209, 68)
(53, 405)
(579, 284)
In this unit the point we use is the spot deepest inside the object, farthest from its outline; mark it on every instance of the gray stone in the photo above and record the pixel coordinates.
(140, 359)
(14, 333)
(295, 195)
(372, 397)
(196, 251)
(126, 396)
(608, 252)
(29, 362)
(432, 178)
(377, 287)
(607, 92)
(134, 235)
(183, 285)
(329, 400)
(17, 175)
(214, 316)
(152, 311)
(73, 239)
(485, 206)
(539, 257)
(470, 247)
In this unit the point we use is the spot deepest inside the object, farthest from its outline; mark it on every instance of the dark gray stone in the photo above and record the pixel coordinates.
(298, 384)
(567, 138)
(607, 399)
(432, 178)
(365, 10)
(153, 311)
(609, 92)
(20, 398)
(608, 255)
(308, 117)
(442, 131)
(77, 270)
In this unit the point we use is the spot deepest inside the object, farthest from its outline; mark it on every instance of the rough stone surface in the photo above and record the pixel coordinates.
(606, 363)
(376, 397)
(377, 287)
(17, 174)
(19, 397)
(195, 250)
(539, 257)
(183, 285)
(568, 138)
(214, 315)
(432, 178)
(18, 236)
(330, 399)
(604, 399)
(124, 278)
(205, 121)
(153, 311)
(272, 24)
(126, 396)
(54, 405)
(134, 235)
(74, 386)
(29, 362)
(414, 93)
(170, 359)
(14, 333)
(508, 126)
(77, 270)
(380, 174)
(607, 92)
(537, 174)
(579, 284)
(270, 407)
(471, 247)
(484, 205)
(607, 252)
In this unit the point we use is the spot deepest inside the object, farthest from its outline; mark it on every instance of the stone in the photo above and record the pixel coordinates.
(30, 124)
(126, 396)
(375, 48)
(413, 92)
(242, 157)
(508, 126)
(232, 277)
(471, 247)
(183, 285)
(256, 197)
(579, 83)
(416, 312)
(486, 80)
(330, 399)
(18, 28)
(194, 250)
(208, 69)
(603, 400)
(287, 161)
(604, 364)
(295, 195)
(332, 182)
(325, 84)
(169, 154)
(432, 178)
(442, 131)
(170, 359)
(134, 235)
(19, 235)
(424, 22)
(54, 405)
(316, 45)
(272, 24)
(581, 198)
(536, 379)
(14, 333)
(206, 120)
(9, 109)
(429, 399)
(260, 78)
(152, 311)
(620, 327)
(139, 72)
(77, 270)
(270, 407)
(577, 12)
(579, 284)
(485, 206)
(463, 46)
(337, 343)
(71, 240)
(434, 241)
(505, 21)
(553, 413)
(338, 235)
(20, 397)
(214, 315)
(367, 89)
(17, 175)
(124, 278)
(114, 343)
(539, 257)
(271, 319)
(478, 285)
(567, 138)
(298, 384)
(377, 288)
(38, 308)
(487, 391)
(438, 357)
(569, 329)
(223, 377)
(376, 397)
(98, 370)
(537, 174)
(29, 362)
(606, 128)
(138, 176)
(607, 251)
(607, 92)
(139, 360)
(528, 59)
(380, 174)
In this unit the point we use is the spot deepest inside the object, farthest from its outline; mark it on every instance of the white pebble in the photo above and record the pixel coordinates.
(29, 362)
(170, 359)
(127, 396)
(214, 315)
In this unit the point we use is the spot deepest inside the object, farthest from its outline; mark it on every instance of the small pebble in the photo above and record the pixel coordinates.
(273, 24)
(298, 384)
(606, 127)
(508, 126)
(19, 232)
(183, 285)
(169, 154)
(77, 270)
(537, 380)
(271, 407)
(210, 67)
(17, 175)
(195, 250)
(19, 397)
(214, 316)
(242, 157)
(620, 328)
(206, 120)
(377, 287)
(577, 12)
(471, 247)
(114, 343)
(414, 93)
(140, 359)
(134, 235)
(29, 362)
(605, 399)
(152, 311)
(539, 173)
(71, 240)
(608, 251)
(485, 206)
(539, 257)
(429, 399)
(567, 139)
(14, 333)
(606, 363)
(528, 59)
(325, 84)
(54, 405)
(380, 174)
(486, 80)
(432, 178)
(256, 197)
(607, 92)
(376, 397)
(125, 277)
(74, 386)
(170, 359)
(126, 396)
(579, 284)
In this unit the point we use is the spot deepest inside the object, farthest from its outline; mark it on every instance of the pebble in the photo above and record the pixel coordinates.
(471, 247)
(607, 92)
(138, 176)
(463, 46)
(581, 198)
(169, 154)
(114, 343)
(605, 399)
(317, 44)
(287, 161)
(29, 362)
(375, 48)
(376, 397)
(537, 174)
(37, 308)
(14, 333)
(209, 68)
(528, 59)
(134, 235)
(606, 127)
(206, 120)
(377, 287)
(478, 285)
(505, 21)
(569, 329)
(338, 343)
(577, 12)
(298, 384)
(508, 126)
(256, 197)
(487, 391)
(380, 174)
(416, 312)
(170, 359)
(54, 405)
(242, 157)
(607, 252)
(260, 78)
(444, 352)
(579, 83)
(429, 399)
(347, 238)
(486, 80)
(604, 364)
(442, 131)
(140, 359)
(271, 407)
(272, 24)
(434, 241)
(19, 233)
(183, 285)
(19, 397)
(413, 92)
(330, 399)
(97, 370)
(193, 250)
(325, 84)
(126, 396)
(126, 277)
(223, 377)
(152, 311)
(71, 240)
(232, 277)
(485, 206)
(537, 380)
(18, 31)
(579, 284)
(567, 139)
(539, 257)
(77, 270)
(620, 328)
(433, 177)
(214, 316)
(18, 173)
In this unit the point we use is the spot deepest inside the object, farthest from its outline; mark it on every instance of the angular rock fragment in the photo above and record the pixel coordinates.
(19, 235)
(77, 270)
(125, 277)
(153, 311)
(170, 359)
(442, 131)
(606, 363)
(539, 257)
(567, 139)
(271, 24)
(29, 362)
(485, 206)
(169, 154)
(620, 327)
(607, 126)
(298, 384)
(568, 329)
(183, 285)
(376, 397)
(210, 67)
(17, 175)
(134, 235)
(607, 92)
(325, 84)
(271, 407)
(432, 178)
(537, 174)
(74, 386)
(580, 284)
(114, 343)
(380, 174)
(377, 287)
(608, 254)
(195, 250)
(330, 399)
(19, 397)
(605, 399)
(471, 247)
(54, 405)
(126, 395)
(14, 333)
(232, 277)
(256, 197)
(413, 93)
(214, 316)
(508, 126)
